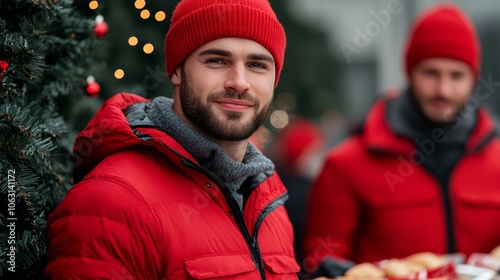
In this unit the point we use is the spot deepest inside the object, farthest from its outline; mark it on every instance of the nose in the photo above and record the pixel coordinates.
(237, 79)
(444, 86)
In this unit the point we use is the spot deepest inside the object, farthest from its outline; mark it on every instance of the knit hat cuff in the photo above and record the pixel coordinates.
(434, 48)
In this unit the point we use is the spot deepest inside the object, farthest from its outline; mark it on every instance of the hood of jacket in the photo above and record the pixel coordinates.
(111, 130)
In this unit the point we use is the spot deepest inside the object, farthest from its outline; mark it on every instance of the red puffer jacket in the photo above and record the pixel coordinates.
(143, 208)
(373, 200)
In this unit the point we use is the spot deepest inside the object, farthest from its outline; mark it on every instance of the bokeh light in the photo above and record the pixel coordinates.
(148, 48)
(139, 4)
(279, 119)
(285, 101)
(93, 5)
(145, 14)
(133, 41)
(119, 73)
(160, 16)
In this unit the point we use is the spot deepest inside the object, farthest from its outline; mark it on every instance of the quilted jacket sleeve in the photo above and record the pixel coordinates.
(102, 230)
(332, 216)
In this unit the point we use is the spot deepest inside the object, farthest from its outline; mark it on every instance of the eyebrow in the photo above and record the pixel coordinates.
(261, 57)
(215, 52)
(225, 53)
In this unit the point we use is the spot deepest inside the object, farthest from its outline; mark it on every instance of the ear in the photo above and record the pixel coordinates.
(177, 76)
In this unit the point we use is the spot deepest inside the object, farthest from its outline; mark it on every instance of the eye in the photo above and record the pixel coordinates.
(431, 73)
(215, 61)
(257, 65)
(457, 75)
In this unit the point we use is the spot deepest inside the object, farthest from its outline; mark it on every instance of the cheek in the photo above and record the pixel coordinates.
(261, 80)
(427, 86)
(422, 86)
(267, 97)
(203, 85)
(264, 89)
(464, 90)
(422, 89)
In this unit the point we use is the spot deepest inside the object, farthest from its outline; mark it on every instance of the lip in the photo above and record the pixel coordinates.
(440, 104)
(234, 104)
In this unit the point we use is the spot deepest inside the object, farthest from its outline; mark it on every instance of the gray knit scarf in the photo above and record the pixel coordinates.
(209, 155)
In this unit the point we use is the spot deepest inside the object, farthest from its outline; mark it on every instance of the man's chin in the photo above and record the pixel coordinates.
(231, 130)
(441, 117)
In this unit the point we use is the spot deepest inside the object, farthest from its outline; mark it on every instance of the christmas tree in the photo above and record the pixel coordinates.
(48, 49)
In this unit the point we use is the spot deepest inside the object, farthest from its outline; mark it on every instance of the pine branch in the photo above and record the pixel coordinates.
(50, 48)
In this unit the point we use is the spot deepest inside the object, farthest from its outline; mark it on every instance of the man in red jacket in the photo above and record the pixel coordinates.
(422, 172)
(173, 189)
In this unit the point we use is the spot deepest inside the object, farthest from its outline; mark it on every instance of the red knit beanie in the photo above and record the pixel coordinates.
(443, 31)
(197, 22)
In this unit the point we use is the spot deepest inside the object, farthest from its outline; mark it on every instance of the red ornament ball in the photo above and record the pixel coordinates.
(100, 27)
(93, 88)
(3, 68)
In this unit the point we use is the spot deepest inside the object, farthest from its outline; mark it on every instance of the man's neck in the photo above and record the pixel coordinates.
(235, 150)
(406, 119)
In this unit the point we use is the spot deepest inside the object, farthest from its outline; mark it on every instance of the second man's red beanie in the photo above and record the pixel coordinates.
(443, 31)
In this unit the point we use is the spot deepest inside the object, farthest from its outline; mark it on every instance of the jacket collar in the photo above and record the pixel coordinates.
(378, 136)
(110, 131)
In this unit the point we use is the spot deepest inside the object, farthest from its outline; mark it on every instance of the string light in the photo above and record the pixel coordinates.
(160, 16)
(93, 5)
(263, 136)
(139, 4)
(148, 48)
(279, 119)
(119, 73)
(133, 41)
(286, 101)
(145, 14)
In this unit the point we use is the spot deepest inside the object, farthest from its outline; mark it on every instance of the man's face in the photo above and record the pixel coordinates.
(441, 87)
(224, 88)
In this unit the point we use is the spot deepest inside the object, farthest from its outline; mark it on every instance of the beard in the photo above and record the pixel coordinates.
(439, 118)
(205, 118)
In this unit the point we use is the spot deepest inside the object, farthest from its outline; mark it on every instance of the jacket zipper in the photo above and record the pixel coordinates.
(273, 205)
(448, 210)
(451, 238)
(238, 216)
(235, 209)
(445, 199)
